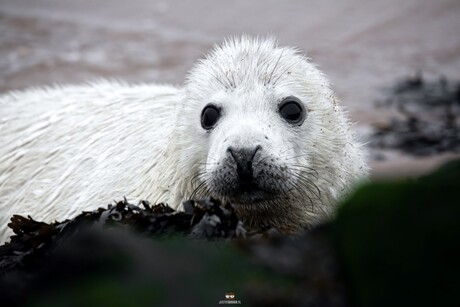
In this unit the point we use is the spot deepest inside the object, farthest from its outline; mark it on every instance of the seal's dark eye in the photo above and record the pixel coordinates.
(209, 116)
(292, 110)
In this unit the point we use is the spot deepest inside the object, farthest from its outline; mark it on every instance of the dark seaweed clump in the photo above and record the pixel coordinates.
(429, 117)
(133, 246)
(205, 219)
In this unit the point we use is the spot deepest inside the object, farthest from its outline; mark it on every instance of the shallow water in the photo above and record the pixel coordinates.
(361, 45)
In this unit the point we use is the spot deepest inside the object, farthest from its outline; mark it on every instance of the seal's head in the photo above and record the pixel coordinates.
(264, 133)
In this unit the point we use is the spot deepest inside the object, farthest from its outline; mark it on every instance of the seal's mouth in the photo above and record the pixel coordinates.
(250, 193)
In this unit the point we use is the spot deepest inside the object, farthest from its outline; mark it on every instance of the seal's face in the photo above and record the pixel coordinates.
(251, 111)
(248, 157)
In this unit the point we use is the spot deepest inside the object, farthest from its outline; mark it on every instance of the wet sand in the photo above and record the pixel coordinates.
(361, 45)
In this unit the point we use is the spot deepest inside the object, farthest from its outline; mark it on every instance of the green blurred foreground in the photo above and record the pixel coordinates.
(399, 242)
(390, 244)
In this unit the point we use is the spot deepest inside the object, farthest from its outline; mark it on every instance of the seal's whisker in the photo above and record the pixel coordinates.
(309, 183)
(196, 177)
(207, 163)
(218, 80)
(274, 68)
(287, 69)
(197, 189)
(308, 169)
(295, 157)
(300, 190)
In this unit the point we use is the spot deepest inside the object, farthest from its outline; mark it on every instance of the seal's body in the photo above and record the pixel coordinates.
(256, 125)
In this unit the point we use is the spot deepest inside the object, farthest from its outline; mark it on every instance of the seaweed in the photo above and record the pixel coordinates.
(428, 119)
(204, 219)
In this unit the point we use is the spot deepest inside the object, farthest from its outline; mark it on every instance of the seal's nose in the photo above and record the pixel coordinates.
(243, 158)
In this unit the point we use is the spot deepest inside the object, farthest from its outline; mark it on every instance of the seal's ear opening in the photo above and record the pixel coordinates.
(292, 110)
(209, 116)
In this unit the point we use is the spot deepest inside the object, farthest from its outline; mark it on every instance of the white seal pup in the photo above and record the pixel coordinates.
(256, 125)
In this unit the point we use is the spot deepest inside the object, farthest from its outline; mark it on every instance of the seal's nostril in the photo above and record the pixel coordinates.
(255, 151)
(230, 150)
(243, 155)
(243, 158)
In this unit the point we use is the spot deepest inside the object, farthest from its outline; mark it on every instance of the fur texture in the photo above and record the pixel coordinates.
(71, 148)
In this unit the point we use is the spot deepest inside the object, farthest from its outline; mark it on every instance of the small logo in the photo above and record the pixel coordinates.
(230, 299)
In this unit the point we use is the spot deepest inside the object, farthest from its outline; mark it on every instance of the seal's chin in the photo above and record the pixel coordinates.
(250, 193)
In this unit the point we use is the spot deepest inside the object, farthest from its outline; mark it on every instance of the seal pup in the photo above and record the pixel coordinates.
(256, 125)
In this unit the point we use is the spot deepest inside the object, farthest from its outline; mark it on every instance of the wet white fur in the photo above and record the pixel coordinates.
(65, 149)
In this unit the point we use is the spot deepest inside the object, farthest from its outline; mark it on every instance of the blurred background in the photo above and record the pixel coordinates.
(363, 46)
